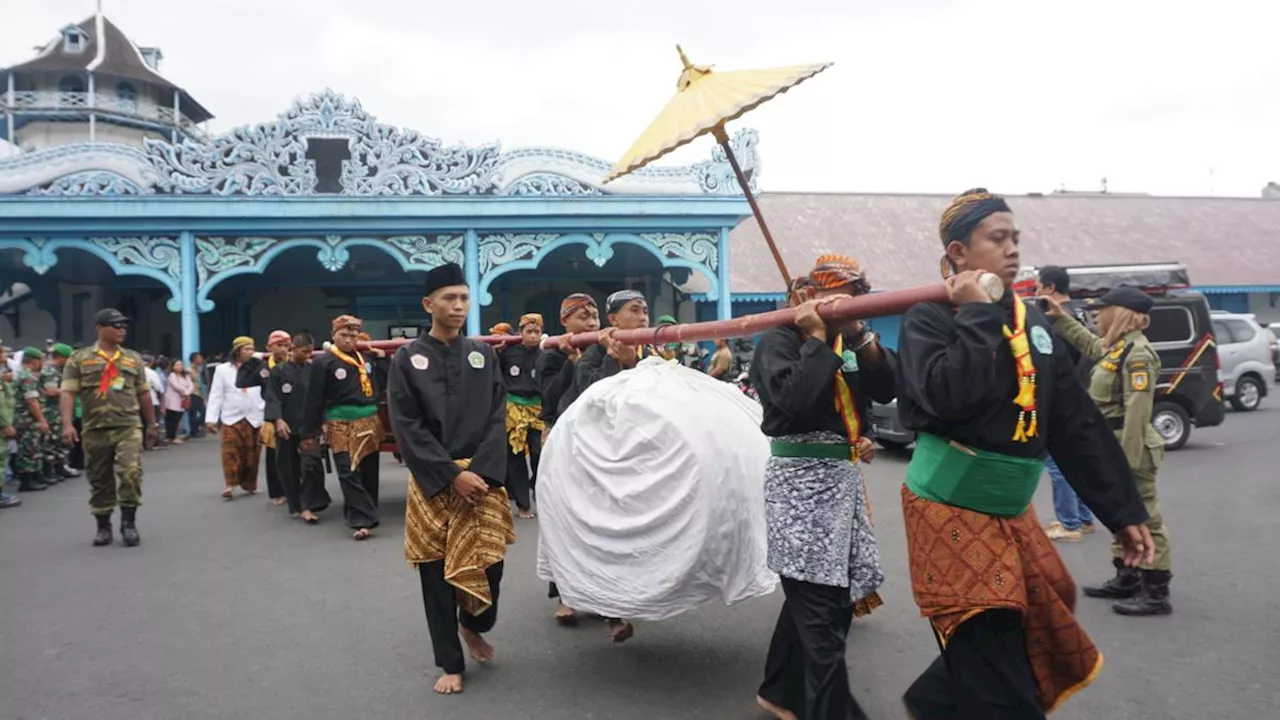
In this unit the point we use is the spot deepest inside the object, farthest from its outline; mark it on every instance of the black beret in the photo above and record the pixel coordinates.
(1129, 297)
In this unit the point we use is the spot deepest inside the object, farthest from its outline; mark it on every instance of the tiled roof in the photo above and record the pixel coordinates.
(1222, 241)
(121, 59)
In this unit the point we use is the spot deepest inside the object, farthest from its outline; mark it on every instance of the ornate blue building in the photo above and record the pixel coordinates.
(324, 211)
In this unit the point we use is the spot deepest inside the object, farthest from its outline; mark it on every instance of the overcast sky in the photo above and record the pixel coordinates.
(1166, 97)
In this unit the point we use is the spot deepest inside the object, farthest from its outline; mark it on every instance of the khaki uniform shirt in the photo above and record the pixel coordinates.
(118, 406)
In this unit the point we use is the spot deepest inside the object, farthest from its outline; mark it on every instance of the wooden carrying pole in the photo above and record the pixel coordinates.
(862, 307)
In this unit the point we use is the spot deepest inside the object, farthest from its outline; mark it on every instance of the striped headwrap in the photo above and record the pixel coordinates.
(342, 322)
(530, 318)
(574, 303)
(615, 301)
(965, 212)
(502, 328)
(831, 272)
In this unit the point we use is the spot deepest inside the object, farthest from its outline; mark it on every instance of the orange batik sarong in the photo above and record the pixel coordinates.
(964, 562)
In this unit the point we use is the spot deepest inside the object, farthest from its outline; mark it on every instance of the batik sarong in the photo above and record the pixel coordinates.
(964, 562)
(240, 452)
(469, 538)
(360, 438)
(818, 528)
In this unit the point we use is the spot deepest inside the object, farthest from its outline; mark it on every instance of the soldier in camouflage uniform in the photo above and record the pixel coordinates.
(111, 383)
(6, 423)
(55, 449)
(1123, 385)
(30, 423)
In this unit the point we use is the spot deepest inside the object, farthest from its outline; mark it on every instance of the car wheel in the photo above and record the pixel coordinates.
(1248, 394)
(1173, 423)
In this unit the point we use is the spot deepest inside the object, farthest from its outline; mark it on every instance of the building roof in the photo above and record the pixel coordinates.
(107, 52)
(1222, 241)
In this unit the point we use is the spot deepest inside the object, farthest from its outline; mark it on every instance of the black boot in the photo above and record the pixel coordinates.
(104, 530)
(30, 482)
(1153, 599)
(1126, 583)
(128, 531)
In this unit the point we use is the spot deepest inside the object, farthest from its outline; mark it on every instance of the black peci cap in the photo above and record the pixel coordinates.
(1126, 296)
(109, 316)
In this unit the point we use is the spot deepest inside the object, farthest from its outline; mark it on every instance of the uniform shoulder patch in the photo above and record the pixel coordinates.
(1139, 376)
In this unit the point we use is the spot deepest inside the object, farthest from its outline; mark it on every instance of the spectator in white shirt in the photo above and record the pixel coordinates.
(237, 412)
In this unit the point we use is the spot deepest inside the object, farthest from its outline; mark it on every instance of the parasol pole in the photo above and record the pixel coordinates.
(722, 137)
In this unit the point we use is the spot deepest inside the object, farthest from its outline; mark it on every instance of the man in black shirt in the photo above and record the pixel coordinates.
(302, 474)
(342, 402)
(447, 404)
(555, 374)
(989, 391)
(524, 409)
(254, 373)
(815, 382)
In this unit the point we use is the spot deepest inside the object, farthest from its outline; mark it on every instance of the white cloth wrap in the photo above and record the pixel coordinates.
(651, 496)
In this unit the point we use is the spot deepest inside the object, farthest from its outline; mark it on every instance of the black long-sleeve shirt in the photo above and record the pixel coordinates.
(286, 394)
(447, 402)
(957, 379)
(795, 379)
(597, 364)
(555, 376)
(335, 382)
(253, 373)
(519, 368)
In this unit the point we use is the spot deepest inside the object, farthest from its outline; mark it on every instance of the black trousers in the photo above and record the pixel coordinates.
(444, 616)
(274, 488)
(805, 669)
(984, 674)
(302, 475)
(359, 489)
(172, 421)
(519, 478)
(195, 416)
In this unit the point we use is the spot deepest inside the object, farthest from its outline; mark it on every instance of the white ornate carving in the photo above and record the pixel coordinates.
(157, 253)
(272, 159)
(700, 248)
(498, 250)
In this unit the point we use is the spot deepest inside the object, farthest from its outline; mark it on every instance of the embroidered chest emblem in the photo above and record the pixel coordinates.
(286, 388)
(340, 373)
(476, 359)
(515, 371)
(1041, 340)
(419, 361)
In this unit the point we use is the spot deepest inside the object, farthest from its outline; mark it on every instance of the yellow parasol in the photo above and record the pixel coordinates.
(704, 102)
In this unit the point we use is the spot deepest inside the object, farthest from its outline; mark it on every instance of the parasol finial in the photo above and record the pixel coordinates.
(691, 72)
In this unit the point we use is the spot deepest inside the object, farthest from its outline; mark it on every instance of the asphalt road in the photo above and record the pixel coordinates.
(236, 611)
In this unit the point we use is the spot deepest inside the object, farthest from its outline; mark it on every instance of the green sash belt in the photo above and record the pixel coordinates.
(524, 401)
(817, 451)
(986, 482)
(350, 413)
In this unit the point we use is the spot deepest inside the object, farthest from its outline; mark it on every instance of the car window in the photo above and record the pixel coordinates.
(1222, 333)
(1170, 324)
(1241, 330)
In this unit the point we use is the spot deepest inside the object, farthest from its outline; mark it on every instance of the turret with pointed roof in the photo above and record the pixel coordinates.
(92, 83)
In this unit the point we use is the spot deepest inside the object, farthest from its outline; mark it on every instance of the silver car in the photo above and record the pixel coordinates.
(1248, 369)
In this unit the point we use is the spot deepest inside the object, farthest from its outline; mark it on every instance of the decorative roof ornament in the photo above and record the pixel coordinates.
(327, 144)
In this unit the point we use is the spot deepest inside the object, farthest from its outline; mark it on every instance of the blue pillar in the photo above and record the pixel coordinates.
(187, 281)
(724, 306)
(471, 253)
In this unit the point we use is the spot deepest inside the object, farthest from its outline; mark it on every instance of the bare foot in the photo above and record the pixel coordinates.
(526, 515)
(774, 710)
(565, 615)
(621, 630)
(309, 517)
(278, 501)
(480, 649)
(361, 534)
(449, 685)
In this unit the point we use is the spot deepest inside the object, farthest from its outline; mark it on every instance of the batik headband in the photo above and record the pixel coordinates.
(615, 301)
(574, 303)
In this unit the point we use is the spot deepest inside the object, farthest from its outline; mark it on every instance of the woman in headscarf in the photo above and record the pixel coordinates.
(1123, 384)
(815, 382)
(237, 413)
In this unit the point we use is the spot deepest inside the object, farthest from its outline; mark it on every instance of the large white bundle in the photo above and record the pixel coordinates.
(651, 496)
